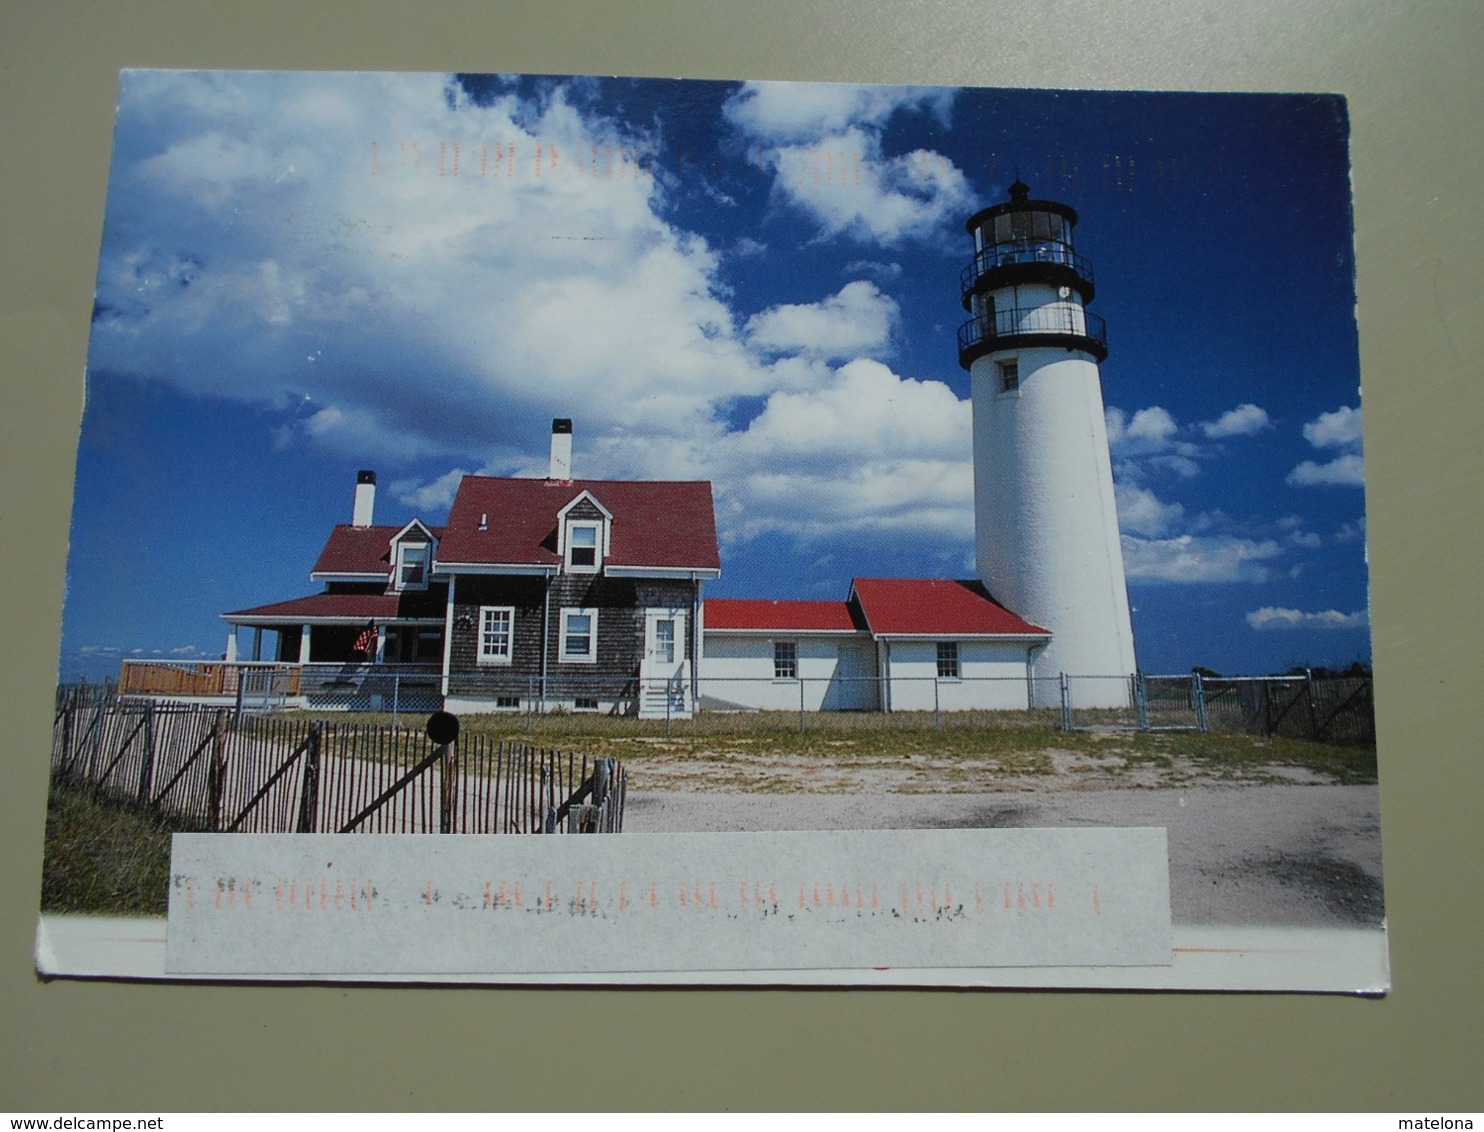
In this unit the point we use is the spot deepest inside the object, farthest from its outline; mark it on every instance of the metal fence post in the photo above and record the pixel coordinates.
(448, 769)
(67, 738)
(216, 773)
(1066, 703)
(1313, 705)
(147, 762)
(309, 784)
(1141, 701)
(801, 705)
(937, 709)
(396, 696)
(1200, 701)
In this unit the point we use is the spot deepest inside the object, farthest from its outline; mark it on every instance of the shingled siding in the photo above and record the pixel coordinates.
(621, 605)
(585, 510)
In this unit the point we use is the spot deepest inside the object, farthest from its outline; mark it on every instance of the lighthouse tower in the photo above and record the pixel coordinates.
(1045, 521)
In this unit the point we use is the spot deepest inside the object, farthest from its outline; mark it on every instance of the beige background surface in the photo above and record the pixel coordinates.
(1413, 75)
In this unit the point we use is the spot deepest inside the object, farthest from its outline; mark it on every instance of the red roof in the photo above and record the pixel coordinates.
(359, 550)
(787, 616)
(936, 607)
(665, 524)
(419, 604)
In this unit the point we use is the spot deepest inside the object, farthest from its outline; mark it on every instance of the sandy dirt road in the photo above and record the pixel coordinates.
(1250, 854)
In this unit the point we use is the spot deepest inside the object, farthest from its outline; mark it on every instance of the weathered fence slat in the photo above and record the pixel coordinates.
(267, 786)
(309, 786)
(391, 791)
(185, 766)
(123, 750)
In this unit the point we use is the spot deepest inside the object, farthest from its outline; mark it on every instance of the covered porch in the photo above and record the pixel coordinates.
(340, 628)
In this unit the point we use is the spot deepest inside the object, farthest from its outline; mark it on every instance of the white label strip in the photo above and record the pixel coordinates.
(311, 904)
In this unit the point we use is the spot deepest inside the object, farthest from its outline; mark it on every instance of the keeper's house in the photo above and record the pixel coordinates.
(894, 644)
(541, 594)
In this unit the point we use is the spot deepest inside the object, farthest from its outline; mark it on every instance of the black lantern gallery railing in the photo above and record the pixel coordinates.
(1009, 328)
(1051, 258)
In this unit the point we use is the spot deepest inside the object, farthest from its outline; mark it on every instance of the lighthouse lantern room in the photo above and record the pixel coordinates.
(1046, 523)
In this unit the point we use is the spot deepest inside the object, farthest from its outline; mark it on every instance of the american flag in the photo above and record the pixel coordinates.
(366, 642)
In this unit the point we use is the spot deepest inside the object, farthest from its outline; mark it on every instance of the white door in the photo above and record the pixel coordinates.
(663, 672)
(855, 678)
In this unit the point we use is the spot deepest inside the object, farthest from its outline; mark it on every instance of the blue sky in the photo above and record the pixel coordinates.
(304, 274)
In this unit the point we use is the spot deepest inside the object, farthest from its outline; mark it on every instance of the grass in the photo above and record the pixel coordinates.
(104, 857)
(1018, 743)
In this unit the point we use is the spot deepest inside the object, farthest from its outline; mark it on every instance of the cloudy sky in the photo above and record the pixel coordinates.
(307, 274)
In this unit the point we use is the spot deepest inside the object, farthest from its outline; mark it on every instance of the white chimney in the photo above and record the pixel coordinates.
(365, 506)
(561, 450)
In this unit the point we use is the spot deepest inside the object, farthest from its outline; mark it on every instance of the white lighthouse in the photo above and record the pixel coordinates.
(1045, 520)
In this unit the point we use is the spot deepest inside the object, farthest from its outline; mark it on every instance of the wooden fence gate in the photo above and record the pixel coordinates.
(274, 775)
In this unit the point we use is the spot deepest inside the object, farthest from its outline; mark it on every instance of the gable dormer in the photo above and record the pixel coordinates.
(413, 551)
(584, 535)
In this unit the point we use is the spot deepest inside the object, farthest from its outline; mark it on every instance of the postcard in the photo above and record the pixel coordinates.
(548, 529)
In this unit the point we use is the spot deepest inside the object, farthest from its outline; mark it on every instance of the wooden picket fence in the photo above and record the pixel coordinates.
(277, 774)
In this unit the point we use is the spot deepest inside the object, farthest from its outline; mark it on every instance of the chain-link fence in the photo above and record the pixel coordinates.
(1336, 709)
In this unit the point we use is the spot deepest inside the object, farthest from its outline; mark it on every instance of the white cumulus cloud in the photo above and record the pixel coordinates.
(1147, 431)
(1339, 429)
(855, 321)
(1140, 512)
(1198, 558)
(1343, 471)
(790, 112)
(823, 145)
(1275, 617)
(1245, 420)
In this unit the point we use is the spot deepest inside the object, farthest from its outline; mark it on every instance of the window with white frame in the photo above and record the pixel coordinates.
(413, 561)
(664, 640)
(785, 660)
(579, 637)
(584, 546)
(496, 634)
(948, 660)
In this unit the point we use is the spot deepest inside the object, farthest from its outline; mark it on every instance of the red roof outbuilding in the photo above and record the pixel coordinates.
(936, 607)
(745, 615)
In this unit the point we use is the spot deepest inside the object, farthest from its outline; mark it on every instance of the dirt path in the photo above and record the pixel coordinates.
(1255, 851)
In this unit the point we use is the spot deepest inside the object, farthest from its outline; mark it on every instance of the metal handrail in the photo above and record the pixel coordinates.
(1025, 251)
(1061, 319)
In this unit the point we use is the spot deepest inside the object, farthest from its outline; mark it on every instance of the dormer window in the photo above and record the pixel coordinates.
(413, 549)
(413, 562)
(584, 527)
(583, 550)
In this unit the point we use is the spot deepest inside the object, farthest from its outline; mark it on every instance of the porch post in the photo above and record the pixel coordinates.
(379, 655)
(231, 653)
(257, 642)
(304, 644)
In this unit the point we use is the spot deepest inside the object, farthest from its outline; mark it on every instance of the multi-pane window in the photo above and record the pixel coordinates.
(496, 634)
(582, 546)
(948, 660)
(579, 641)
(664, 640)
(412, 565)
(1011, 226)
(785, 660)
